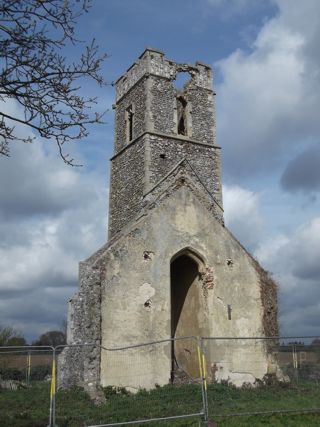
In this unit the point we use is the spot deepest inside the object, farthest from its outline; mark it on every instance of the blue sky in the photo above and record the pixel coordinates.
(265, 56)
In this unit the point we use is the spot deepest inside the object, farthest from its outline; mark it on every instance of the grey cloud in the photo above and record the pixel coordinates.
(34, 312)
(300, 321)
(303, 296)
(51, 217)
(303, 172)
(295, 262)
(13, 233)
(38, 184)
(269, 98)
(304, 253)
(53, 277)
(307, 270)
(10, 294)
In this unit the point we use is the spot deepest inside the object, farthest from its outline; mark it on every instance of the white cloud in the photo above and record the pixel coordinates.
(304, 251)
(294, 260)
(267, 122)
(242, 215)
(291, 257)
(298, 253)
(52, 216)
(270, 96)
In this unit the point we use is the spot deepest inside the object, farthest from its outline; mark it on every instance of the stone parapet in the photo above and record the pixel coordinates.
(153, 62)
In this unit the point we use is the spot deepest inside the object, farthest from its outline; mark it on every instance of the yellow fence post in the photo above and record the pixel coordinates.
(53, 380)
(53, 391)
(202, 368)
(200, 363)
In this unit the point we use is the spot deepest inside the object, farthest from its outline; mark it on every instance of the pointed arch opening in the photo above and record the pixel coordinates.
(186, 306)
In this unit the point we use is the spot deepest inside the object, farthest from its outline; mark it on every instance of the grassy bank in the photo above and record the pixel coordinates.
(30, 407)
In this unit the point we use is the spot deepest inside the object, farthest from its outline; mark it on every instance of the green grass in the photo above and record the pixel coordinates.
(286, 396)
(285, 420)
(25, 407)
(227, 399)
(30, 407)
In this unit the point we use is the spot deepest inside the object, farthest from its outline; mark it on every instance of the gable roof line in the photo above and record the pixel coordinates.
(97, 256)
(184, 159)
(212, 196)
(164, 178)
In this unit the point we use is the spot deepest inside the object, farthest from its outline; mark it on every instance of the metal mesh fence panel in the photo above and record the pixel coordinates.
(299, 361)
(256, 375)
(158, 381)
(163, 379)
(25, 382)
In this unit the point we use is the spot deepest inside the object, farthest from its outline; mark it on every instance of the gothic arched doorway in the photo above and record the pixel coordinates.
(186, 311)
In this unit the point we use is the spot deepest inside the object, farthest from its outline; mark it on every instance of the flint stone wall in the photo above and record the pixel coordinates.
(126, 194)
(205, 160)
(80, 365)
(138, 98)
(156, 146)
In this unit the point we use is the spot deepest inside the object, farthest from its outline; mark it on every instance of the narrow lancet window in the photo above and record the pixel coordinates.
(130, 116)
(182, 115)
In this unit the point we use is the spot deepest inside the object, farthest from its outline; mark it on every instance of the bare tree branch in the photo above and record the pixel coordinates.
(34, 72)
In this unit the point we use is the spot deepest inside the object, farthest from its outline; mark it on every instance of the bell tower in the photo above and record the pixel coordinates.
(170, 268)
(157, 127)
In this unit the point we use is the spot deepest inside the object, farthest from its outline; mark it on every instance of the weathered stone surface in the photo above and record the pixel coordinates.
(170, 267)
(180, 223)
(126, 194)
(156, 144)
(80, 363)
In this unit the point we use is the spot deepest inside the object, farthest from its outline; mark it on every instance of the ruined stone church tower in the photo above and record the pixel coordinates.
(170, 267)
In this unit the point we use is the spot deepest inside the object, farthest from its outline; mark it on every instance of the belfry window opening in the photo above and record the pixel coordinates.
(182, 115)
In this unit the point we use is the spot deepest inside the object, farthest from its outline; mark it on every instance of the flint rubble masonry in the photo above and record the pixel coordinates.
(170, 266)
